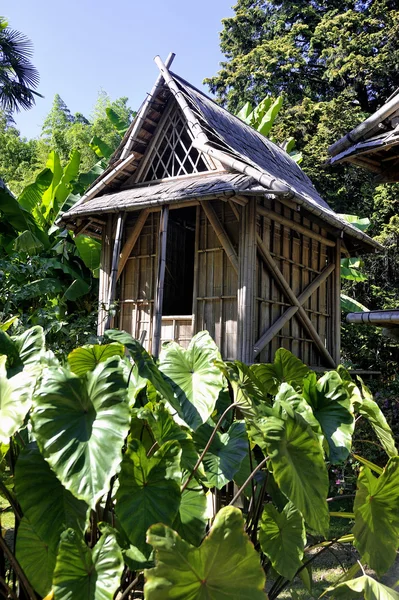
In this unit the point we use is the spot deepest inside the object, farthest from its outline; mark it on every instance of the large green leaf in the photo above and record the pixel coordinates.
(80, 425)
(77, 289)
(101, 148)
(245, 112)
(358, 222)
(27, 243)
(49, 507)
(298, 464)
(15, 400)
(88, 357)
(225, 566)
(84, 574)
(64, 188)
(149, 490)
(363, 587)
(369, 409)
(225, 454)
(31, 345)
(246, 387)
(190, 522)
(194, 377)
(268, 119)
(282, 538)
(47, 286)
(350, 269)
(285, 368)
(332, 407)
(376, 528)
(120, 124)
(89, 251)
(36, 557)
(31, 196)
(48, 197)
(146, 367)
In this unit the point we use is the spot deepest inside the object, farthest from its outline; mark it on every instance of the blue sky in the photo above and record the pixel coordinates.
(82, 46)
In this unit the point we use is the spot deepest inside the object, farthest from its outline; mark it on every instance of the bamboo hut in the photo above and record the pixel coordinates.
(374, 144)
(206, 224)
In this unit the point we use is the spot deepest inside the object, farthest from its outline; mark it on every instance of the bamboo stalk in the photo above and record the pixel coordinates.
(307, 323)
(131, 241)
(246, 286)
(114, 269)
(290, 312)
(221, 234)
(163, 232)
(294, 226)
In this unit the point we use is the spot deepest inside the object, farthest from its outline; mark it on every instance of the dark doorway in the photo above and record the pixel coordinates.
(179, 272)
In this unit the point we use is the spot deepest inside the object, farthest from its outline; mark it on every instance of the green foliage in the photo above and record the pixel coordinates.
(210, 571)
(117, 482)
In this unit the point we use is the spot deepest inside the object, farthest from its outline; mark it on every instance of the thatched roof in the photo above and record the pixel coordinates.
(373, 144)
(237, 147)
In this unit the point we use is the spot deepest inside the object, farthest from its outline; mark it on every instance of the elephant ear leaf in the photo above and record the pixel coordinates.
(194, 377)
(285, 368)
(145, 483)
(80, 426)
(282, 538)
(363, 587)
(88, 357)
(36, 557)
(332, 408)
(15, 400)
(376, 528)
(84, 573)
(226, 565)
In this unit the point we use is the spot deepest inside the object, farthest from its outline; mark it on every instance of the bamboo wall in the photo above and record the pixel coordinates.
(299, 258)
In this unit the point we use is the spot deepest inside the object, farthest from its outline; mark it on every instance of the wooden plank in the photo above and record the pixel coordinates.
(221, 234)
(114, 268)
(131, 241)
(196, 267)
(290, 312)
(157, 327)
(295, 226)
(294, 300)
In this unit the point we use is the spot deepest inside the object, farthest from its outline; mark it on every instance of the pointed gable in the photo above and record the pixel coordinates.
(173, 153)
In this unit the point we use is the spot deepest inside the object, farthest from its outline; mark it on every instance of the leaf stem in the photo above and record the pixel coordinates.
(260, 465)
(129, 588)
(208, 444)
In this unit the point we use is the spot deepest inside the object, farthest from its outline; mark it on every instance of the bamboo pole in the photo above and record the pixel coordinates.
(337, 304)
(163, 232)
(105, 269)
(290, 312)
(246, 285)
(131, 241)
(306, 322)
(140, 118)
(295, 226)
(221, 234)
(114, 269)
(196, 268)
(379, 318)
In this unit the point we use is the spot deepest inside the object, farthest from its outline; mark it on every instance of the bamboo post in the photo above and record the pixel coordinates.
(196, 269)
(246, 283)
(221, 234)
(131, 241)
(105, 270)
(306, 322)
(163, 232)
(337, 305)
(114, 269)
(290, 312)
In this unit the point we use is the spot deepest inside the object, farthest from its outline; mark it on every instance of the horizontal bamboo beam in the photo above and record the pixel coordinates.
(131, 241)
(306, 322)
(290, 312)
(294, 225)
(221, 234)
